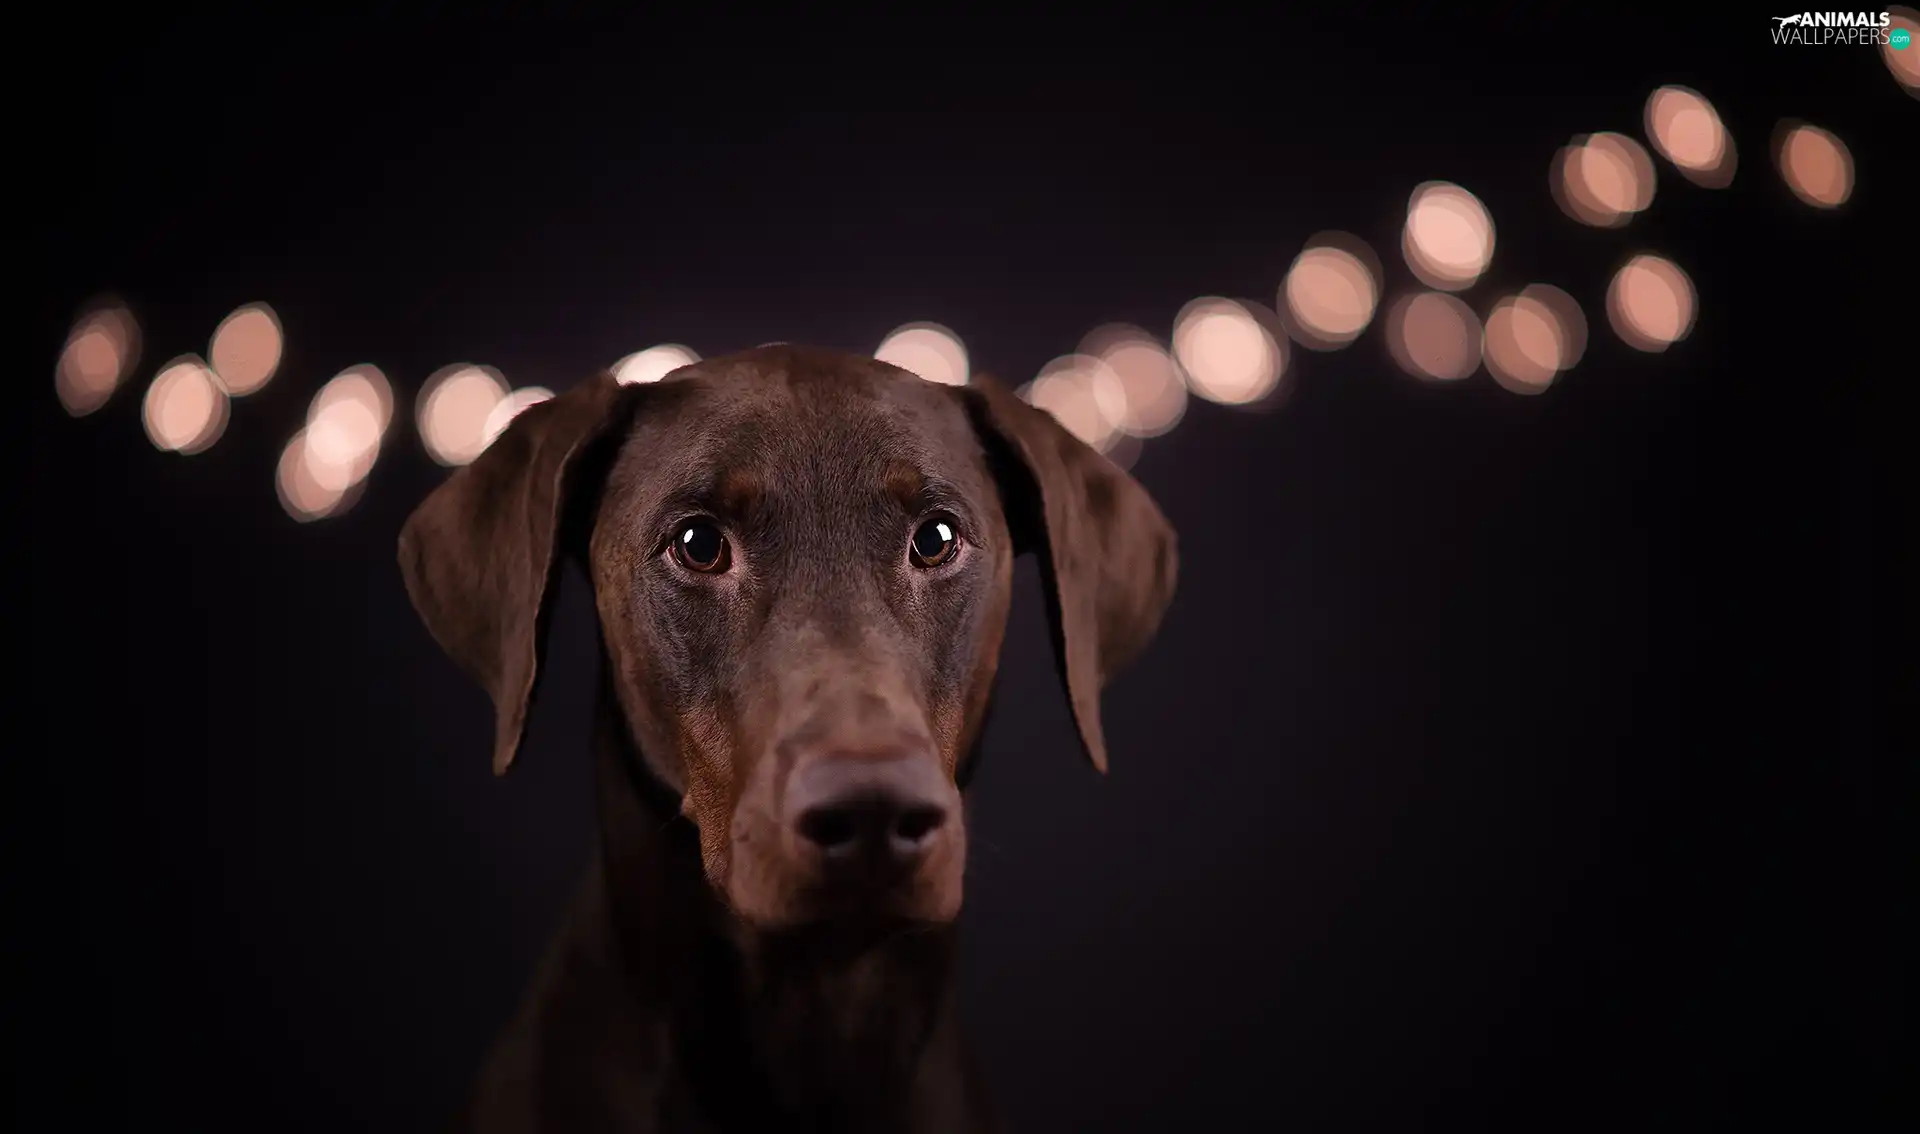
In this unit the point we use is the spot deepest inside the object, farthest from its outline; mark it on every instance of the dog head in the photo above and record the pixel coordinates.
(802, 562)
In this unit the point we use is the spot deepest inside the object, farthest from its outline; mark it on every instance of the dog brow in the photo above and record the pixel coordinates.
(916, 492)
(738, 492)
(906, 484)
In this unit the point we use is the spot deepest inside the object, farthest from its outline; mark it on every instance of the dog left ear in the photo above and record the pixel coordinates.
(480, 555)
(1109, 560)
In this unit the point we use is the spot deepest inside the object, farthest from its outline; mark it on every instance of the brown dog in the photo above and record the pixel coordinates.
(802, 562)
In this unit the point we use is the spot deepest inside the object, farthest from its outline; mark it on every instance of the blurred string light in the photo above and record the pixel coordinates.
(325, 463)
(1151, 387)
(1650, 303)
(186, 407)
(1687, 131)
(508, 408)
(1448, 239)
(1086, 396)
(1121, 385)
(187, 404)
(1533, 337)
(1229, 358)
(1603, 180)
(453, 409)
(245, 351)
(1331, 291)
(1814, 164)
(653, 364)
(1434, 335)
(1903, 61)
(101, 350)
(929, 350)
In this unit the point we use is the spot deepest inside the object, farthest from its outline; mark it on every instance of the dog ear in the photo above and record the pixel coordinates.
(1109, 560)
(481, 554)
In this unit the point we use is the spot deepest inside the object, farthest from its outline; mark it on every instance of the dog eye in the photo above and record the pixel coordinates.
(933, 543)
(699, 546)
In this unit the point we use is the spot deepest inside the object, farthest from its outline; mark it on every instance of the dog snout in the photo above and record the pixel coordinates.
(885, 810)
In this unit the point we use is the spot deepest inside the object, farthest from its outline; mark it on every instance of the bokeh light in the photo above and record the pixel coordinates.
(1122, 385)
(510, 407)
(1685, 128)
(1815, 165)
(653, 363)
(1085, 395)
(1904, 62)
(926, 349)
(101, 350)
(310, 485)
(1568, 320)
(1331, 292)
(1155, 391)
(341, 443)
(1435, 336)
(1229, 357)
(1651, 303)
(186, 408)
(453, 409)
(1448, 239)
(246, 348)
(364, 384)
(346, 423)
(1532, 338)
(1519, 346)
(1603, 180)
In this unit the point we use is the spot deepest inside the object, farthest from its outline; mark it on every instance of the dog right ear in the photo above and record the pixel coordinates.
(1109, 560)
(481, 554)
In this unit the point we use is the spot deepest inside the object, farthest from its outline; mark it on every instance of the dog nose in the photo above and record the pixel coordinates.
(885, 811)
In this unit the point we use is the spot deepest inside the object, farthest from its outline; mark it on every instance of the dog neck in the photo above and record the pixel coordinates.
(830, 1030)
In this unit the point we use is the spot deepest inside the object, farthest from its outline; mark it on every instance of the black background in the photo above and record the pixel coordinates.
(1512, 763)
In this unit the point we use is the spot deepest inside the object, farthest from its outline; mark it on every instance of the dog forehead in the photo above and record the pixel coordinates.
(798, 414)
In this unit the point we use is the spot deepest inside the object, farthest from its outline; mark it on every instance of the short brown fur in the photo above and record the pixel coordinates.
(714, 973)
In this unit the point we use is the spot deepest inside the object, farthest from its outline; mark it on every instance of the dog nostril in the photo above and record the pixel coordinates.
(832, 829)
(843, 831)
(885, 813)
(915, 824)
